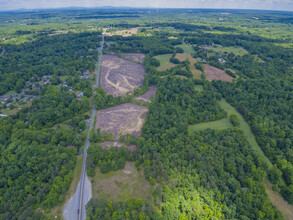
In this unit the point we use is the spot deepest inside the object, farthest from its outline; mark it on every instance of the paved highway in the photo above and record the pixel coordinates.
(75, 207)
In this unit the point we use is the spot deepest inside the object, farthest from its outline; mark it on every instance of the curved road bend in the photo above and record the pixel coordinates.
(75, 207)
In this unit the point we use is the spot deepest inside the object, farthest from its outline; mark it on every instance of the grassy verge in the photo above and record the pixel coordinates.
(121, 185)
(219, 125)
(246, 130)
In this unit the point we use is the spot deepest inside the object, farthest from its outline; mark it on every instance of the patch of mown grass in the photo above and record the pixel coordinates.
(187, 48)
(164, 62)
(121, 185)
(246, 130)
(219, 125)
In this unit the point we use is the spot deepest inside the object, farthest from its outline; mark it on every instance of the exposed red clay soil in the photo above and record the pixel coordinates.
(125, 119)
(120, 76)
(137, 57)
(147, 96)
(213, 73)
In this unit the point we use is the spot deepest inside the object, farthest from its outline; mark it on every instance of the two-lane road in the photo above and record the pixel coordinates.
(75, 207)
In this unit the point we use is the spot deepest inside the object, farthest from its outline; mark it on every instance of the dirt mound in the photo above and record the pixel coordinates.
(147, 96)
(125, 119)
(120, 76)
(213, 73)
(137, 57)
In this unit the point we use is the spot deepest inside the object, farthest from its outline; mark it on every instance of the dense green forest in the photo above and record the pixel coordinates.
(208, 174)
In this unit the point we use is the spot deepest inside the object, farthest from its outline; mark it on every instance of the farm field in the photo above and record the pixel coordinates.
(125, 118)
(219, 125)
(136, 57)
(213, 73)
(184, 56)
(187, 48)
(147, 96)
(124, 33)
(164, 62)
(246, 130)
(121, 185)
(119, 76)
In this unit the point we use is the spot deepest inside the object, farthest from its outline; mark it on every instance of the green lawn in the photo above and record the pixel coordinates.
(219, 125)
(187, 48)
(246, 130)
(164, 62)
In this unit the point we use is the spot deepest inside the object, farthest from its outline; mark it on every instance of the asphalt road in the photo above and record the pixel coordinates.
(75, 207)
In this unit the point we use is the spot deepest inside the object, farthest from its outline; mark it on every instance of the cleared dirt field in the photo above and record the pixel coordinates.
(125, 119)
(184, 56)
(120, 76)
(124, 33)
(121, 185)
(213, 73)
(117, 144)
(147, 96)
(137, 57)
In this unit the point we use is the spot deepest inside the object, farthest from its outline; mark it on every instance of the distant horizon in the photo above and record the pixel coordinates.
(117, 7)
(270, 5)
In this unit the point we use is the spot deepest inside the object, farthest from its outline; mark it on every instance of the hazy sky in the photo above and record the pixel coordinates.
(240, 4)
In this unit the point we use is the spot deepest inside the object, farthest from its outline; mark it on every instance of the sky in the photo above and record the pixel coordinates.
(285, 5)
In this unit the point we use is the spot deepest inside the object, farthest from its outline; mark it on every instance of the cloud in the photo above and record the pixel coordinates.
(241, 4)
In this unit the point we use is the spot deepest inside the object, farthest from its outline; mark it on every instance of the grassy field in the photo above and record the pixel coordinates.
(199, 88)
(121, 185)
(284, 207)
(187, 48)
(219, 125)
(246, 130)
(184, 56)
(164, 61)
(236, 50)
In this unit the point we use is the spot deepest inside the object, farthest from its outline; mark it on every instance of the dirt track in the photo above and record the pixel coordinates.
(120, 76)
(125, 119)
(147, 96)
(213, 73)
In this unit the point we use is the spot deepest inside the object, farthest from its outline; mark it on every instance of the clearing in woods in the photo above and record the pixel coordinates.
(121, 185)
(165, 63)
(120, 76)
(125, 119)
(182, 57)
(213, 73)
(219, 125)
(187, 48)
(147, 96)
(236, 50)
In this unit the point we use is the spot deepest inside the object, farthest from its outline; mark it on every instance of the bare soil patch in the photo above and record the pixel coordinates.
(137, 57)
(117, 144)
(182, 57)
(120, 76)
(213, 73)
(125, 119)
(147, 96)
